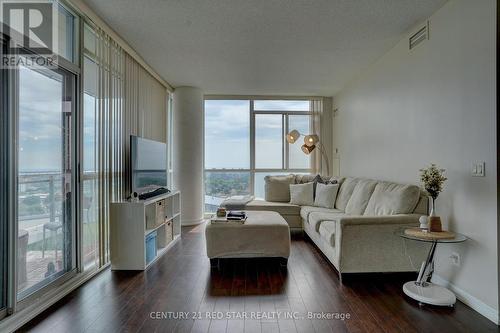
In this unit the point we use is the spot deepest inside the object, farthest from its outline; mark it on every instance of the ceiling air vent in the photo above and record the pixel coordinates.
(418, 37)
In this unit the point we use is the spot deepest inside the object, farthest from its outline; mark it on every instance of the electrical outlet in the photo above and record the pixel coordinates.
(478, 169)
(455, 259)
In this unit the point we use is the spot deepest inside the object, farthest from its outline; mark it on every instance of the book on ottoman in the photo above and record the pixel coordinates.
(238, 217)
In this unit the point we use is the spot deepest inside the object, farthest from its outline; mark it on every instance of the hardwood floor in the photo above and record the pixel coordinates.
(182, 281)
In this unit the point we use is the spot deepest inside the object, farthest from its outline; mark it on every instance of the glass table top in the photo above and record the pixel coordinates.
(428, 237)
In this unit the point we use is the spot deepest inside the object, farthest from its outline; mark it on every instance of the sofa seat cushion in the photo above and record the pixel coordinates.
(391, 198)
(283, 208)
(360, 196)
(306, 210)
(317, 218)
(327, 232)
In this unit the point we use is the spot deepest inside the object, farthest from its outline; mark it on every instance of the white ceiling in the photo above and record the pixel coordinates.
(262, 47)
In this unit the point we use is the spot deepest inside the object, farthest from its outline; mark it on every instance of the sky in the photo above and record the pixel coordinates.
(40, 121)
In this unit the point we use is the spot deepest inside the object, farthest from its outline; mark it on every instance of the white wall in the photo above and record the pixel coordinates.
(435, 103)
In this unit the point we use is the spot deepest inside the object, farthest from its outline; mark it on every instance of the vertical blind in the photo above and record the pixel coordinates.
(128, 101)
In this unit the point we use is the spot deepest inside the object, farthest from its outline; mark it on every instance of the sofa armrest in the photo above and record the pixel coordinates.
(385, 219)
(372, 244)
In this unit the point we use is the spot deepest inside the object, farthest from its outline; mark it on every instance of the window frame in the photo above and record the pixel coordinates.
(285, 128)
(5, 182)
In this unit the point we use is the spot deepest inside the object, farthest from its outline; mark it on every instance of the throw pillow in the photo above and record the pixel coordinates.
(326, 194)
(317, 180)
(302, 194)
(322, 180)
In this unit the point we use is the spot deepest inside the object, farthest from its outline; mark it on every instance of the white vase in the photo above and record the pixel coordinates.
(433, 204)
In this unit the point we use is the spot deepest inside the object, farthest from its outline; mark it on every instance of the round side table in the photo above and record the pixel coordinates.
(422, 290)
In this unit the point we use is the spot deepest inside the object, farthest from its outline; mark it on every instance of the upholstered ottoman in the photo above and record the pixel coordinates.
(264, 234)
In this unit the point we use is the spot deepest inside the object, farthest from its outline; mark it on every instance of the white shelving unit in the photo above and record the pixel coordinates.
(132, 222)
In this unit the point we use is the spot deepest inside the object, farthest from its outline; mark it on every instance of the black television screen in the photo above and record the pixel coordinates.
(148, 164)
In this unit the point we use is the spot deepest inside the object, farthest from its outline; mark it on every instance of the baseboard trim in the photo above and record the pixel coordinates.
(469, 300)
(187, 223)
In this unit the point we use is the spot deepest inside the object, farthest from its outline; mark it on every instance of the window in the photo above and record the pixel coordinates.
(296, 158)
(245, 141)
(269, 141)
(279, 106)
(89, 216)
(227, 134)
(221, 184)
(66, 34)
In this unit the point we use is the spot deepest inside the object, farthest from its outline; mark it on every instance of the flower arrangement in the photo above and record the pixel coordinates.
(433, 180)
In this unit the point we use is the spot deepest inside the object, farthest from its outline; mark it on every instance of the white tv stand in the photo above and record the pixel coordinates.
(132, 222)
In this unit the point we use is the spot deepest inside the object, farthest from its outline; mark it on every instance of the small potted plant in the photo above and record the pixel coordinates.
(433, 180)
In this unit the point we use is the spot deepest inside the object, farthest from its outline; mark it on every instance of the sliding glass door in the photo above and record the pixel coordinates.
(45, 217)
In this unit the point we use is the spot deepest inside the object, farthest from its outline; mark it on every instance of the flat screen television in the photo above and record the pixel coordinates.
(148, 164)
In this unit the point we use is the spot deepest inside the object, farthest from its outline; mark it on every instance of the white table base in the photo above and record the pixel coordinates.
(423, 290)
(429, 293)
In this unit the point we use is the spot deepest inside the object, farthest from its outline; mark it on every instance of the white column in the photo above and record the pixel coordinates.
(188, 137)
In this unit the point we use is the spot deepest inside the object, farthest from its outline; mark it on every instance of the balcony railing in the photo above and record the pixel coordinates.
(40, 213)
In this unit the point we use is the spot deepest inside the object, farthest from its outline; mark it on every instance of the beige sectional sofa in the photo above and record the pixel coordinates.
(360, 233)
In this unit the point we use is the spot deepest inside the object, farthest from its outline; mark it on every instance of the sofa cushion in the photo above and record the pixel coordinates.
(306, 210)
(422, 206)
(360, 197)
(391, 198)
(327, 232)
(345, 192)
(301, 179)
(284, 208)
(317, 218)
(326, 195)
(277, 188)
